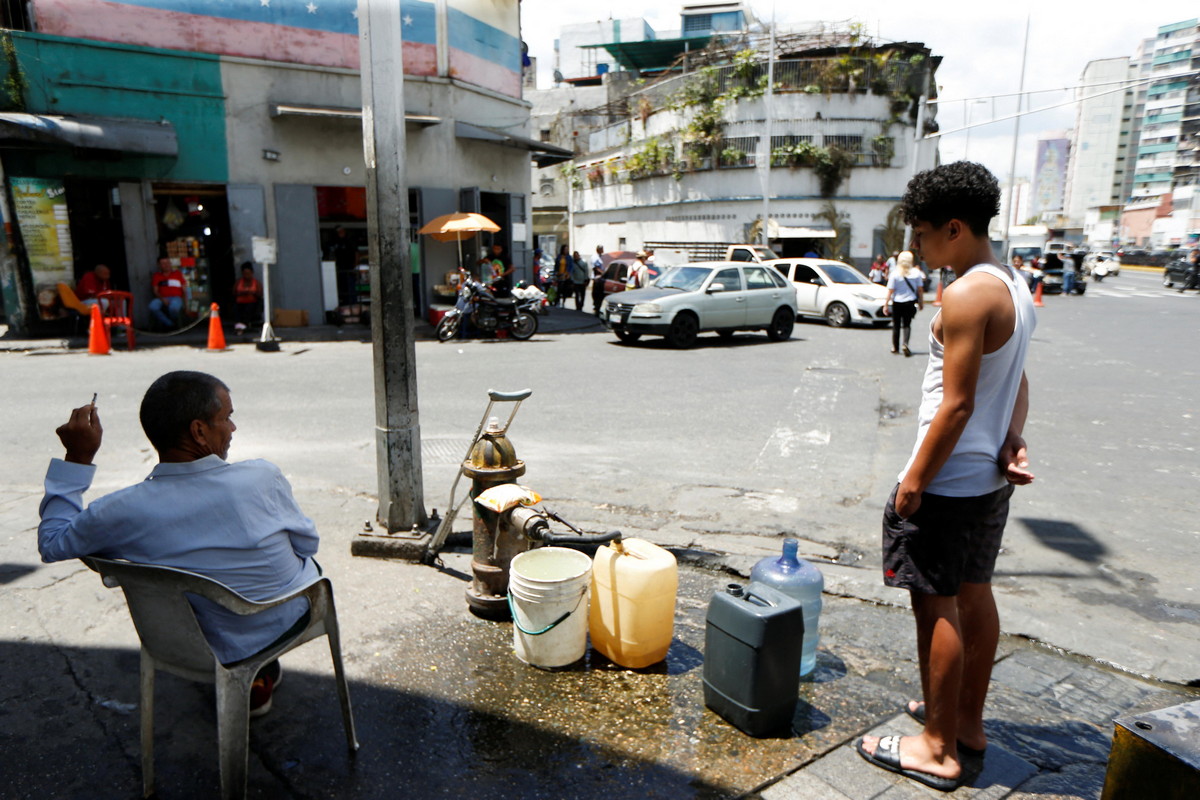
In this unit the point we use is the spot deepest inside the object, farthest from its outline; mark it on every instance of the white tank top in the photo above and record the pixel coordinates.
(973, 468)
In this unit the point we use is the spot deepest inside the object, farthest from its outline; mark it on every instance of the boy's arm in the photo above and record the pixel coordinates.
(1014, 459)
(964, 321)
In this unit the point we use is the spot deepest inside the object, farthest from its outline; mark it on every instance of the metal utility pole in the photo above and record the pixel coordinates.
(765, 166)
(397, 428)
(1012, 164)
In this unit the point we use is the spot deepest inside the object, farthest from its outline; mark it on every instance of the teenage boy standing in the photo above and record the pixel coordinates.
(943, 523)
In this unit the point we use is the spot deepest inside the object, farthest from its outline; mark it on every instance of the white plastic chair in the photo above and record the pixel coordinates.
(172, 641)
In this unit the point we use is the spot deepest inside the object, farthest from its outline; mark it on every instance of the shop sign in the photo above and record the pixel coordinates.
(41, 210)
(263, 249)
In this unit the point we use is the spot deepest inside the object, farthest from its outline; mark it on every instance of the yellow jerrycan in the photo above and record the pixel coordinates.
(632, 615)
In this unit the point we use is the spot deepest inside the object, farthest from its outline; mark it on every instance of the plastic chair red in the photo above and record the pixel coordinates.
(118, 312)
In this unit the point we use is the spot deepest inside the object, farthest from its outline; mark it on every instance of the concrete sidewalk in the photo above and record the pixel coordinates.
(557, 320)
(444, 709)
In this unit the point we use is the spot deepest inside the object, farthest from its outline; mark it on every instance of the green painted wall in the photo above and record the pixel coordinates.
(74, 76)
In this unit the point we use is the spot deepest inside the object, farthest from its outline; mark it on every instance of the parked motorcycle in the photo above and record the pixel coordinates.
(488, 314)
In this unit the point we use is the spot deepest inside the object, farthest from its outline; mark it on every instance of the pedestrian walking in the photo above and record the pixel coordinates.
(943, 524)
(878, 273)
(597, 279)
(1023, 270)
(1070, 274)
(906, 296)
(562, 276)
(890, 264)
(1191, 278)
(638, 273)
(579, 279)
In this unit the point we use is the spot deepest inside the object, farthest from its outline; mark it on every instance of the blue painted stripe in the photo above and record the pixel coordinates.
(418, 19)
(328, 16)
(485, 41)
(418, 22)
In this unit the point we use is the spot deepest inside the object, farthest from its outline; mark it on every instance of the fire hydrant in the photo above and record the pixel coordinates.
(493, 461)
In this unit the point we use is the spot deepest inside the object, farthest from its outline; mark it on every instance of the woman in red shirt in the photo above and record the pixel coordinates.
(247, 294)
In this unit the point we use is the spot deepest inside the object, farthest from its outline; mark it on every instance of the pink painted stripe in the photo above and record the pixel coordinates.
(149, 27)
(420, 59)
(481, 72)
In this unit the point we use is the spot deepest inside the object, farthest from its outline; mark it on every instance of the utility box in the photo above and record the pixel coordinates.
(1155, 755)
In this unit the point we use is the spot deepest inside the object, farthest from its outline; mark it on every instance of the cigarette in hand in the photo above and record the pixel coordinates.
(94, 396)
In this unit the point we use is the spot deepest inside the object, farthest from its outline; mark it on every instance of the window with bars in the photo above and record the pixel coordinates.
(850, 144)
(738, 151)
(781, 147)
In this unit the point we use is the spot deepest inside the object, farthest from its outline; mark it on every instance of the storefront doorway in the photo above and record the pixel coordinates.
(94, 211)
(342, 219)
(193, 231)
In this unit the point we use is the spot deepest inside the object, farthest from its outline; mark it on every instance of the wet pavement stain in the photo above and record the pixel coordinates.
(483, 706)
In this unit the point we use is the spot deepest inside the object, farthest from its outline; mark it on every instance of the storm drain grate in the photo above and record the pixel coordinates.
(443, 451)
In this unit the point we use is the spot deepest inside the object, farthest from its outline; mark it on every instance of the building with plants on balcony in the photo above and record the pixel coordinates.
(686, 158)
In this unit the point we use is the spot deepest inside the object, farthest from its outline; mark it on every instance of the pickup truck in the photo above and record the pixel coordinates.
(693, 252)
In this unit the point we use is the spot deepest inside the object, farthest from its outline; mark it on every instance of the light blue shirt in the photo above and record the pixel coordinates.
(905, 287)
(234, 523)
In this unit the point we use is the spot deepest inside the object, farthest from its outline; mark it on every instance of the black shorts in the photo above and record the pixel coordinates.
(948, 542)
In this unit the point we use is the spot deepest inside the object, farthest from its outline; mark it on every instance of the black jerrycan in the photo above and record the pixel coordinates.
(752, 643)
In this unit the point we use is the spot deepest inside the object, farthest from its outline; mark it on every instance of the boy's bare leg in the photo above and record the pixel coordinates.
(940, 650)
(981, 633)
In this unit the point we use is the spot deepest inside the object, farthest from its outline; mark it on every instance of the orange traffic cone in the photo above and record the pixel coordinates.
(216, 335)
(1037, 296)
(98, 344)
(937, 301)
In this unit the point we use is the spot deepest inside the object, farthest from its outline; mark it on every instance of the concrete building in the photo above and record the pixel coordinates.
(1099, 144)
(1166, 166)
(139, 131)
(686, 159)
(1022, 192)
(1050, 177)
(576, 54)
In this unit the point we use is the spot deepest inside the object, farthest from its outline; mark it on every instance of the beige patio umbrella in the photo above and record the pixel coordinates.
(458, 226)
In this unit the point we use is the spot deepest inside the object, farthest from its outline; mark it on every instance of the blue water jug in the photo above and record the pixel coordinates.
(801, 581)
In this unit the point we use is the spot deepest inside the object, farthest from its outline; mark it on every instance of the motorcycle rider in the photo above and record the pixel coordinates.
(1192, 276)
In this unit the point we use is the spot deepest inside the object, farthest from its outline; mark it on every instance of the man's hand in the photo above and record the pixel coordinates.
(81, 434)
(908, 501)
(1014, 460)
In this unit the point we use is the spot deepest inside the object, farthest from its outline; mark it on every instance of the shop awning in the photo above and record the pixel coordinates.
(339, 112)
(145, 137)
(651, 54)
(544, 154)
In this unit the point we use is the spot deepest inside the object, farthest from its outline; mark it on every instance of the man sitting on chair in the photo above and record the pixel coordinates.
(234, 523)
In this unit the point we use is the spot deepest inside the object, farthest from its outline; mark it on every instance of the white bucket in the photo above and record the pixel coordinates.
(548, 595)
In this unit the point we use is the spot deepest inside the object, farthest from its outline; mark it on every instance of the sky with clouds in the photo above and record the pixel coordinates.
(980, 45)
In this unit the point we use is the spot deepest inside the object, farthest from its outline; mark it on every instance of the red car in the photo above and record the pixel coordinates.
(617, 272)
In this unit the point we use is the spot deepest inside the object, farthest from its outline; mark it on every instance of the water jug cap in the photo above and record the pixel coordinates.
(735, 589)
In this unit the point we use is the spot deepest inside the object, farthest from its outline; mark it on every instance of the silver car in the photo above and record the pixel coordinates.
(721, 296)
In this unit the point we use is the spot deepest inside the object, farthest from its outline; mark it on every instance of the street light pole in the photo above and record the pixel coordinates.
(397, 426)
(1012, 164)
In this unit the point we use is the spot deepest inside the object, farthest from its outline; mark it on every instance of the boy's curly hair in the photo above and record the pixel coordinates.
(963, 190)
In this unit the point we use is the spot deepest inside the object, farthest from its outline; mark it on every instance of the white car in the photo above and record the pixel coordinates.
(833, 290)
(719, 296)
